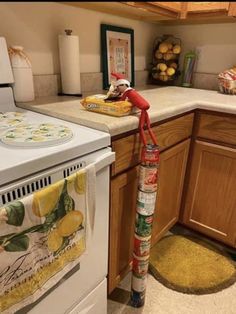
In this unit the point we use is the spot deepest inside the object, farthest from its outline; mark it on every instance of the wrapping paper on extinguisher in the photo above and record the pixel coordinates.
(147, 190)
(145, 207)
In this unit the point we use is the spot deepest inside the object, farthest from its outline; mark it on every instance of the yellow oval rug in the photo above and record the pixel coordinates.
(189, 265)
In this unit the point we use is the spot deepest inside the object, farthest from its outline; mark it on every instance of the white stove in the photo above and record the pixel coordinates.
(18, 162)
(24, 170)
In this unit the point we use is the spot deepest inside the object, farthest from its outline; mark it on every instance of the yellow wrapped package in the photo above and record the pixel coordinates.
(97, 103)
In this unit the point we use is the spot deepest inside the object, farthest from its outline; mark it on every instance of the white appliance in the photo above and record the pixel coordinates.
(25, 170)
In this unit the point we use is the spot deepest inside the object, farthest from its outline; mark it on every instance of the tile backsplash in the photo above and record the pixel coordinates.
(47, 85)
(205, 81)
(50, 85)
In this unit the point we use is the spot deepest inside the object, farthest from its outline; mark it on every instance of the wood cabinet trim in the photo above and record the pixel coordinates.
(126, 180)
(154, 124)
(168, 134)
(172, 6)
(154, 8)
(199, 7)
(214, 113)
(232, 9)
(219, 128)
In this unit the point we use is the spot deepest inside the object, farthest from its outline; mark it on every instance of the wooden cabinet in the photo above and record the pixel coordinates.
(210, 204)
(172, 172)
(122, 218)
(128, 148)
(188, 11)
(199, 7)
(217, 128)
(194, 7)
(208, 11)
(123, 208)
(165, 12)
(172, 6)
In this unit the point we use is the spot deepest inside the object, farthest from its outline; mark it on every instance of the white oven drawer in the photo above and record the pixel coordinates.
(94, 303)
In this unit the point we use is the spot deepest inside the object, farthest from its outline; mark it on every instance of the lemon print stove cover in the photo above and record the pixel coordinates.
(10, 119)
(37, 135)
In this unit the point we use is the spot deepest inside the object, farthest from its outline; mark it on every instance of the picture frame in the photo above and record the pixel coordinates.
(117, 51)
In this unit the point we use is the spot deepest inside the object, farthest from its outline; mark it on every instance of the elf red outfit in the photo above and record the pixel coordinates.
(138, 101)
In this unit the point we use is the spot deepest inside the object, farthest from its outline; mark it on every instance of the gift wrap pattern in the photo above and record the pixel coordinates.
(42, 237)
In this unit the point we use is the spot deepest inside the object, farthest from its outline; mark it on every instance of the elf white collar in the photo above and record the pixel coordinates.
(128, 88)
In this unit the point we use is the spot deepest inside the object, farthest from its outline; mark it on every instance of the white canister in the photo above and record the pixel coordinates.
(23, 86)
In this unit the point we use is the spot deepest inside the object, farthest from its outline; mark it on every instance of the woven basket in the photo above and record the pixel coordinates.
(227, 86)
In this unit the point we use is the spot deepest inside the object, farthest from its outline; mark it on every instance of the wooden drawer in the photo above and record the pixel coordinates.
(216, 127)
(128, 148)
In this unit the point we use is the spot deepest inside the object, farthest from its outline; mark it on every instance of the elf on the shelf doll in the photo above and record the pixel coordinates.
(125, 92)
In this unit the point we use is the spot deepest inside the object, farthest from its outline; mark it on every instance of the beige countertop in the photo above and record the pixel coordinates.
(164, 103)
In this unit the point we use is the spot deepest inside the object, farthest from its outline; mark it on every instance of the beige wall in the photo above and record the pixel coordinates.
(215, 44)
(37, 25)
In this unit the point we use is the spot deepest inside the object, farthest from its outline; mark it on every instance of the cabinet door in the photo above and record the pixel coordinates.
(122, 219)
(171, 177)
(210, 205)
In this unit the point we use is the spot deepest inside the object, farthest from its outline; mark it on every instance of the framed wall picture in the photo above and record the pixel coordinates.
(117, 50)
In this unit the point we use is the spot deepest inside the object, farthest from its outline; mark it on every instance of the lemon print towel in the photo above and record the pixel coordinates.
(43, 236)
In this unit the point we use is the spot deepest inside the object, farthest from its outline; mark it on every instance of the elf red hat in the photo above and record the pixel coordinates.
(120, 79)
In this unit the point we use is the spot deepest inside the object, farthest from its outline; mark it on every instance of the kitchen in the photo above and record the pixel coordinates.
(36, 27)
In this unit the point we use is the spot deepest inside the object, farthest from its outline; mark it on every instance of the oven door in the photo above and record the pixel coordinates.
(68, 294)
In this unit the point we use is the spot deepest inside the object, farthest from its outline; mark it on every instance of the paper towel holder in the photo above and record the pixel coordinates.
(68, 33)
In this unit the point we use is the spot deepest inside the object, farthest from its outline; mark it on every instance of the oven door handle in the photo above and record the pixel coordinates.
(104, 161)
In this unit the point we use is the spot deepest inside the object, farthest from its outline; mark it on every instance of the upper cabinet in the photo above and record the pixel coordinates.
(166, 12)
(189, 11)
(211, 10)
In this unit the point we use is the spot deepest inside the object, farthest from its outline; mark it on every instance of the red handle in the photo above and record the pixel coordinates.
(144, 120)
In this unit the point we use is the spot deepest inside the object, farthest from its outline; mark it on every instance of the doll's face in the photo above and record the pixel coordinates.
(122, 88)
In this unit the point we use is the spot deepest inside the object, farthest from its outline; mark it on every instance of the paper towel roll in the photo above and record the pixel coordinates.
(69, 63)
